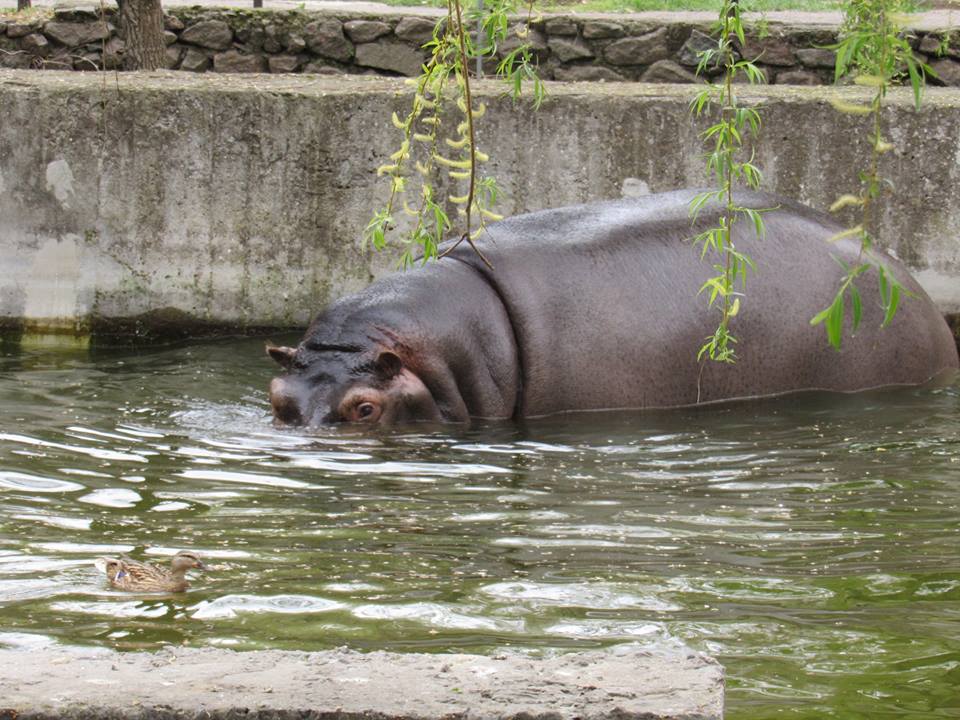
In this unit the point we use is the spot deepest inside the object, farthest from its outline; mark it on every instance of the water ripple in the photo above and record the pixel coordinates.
(810, 543)
(245, 478)
(436, 615)
(112, 497)
(594, 596)
(230, 605)
(36, 484)
(323, 462)
(98, 453)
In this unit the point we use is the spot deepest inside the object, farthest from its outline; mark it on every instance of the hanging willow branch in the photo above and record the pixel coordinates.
(875, 50)
(445, 83)
(726, 136)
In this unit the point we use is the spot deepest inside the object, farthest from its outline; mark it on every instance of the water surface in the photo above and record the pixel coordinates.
(811, 544)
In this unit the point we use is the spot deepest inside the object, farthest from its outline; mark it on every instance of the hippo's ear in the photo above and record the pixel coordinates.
(283, 355)
(387, 365)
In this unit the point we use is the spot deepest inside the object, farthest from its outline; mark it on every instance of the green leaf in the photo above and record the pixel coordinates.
(713, 130)
(753, 176)
(891, 308)
(700, 101)
(704, 59)
(753, 117)
(835, 322)
(820, 316)
(757, 220)
(705, 349)
(755, 74)
(857, 306)
(884, 286)
(716, 286)
(539, 92)
(699, 200)
(857, 271)
(832, 316)
(916, 81)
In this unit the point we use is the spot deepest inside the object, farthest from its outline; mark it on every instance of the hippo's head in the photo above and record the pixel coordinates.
(324, 385)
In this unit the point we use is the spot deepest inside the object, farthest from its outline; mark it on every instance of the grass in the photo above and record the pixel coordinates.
(710, 5)
(11, 13)
(626, 6)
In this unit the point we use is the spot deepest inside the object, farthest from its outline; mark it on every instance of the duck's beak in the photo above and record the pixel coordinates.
(200, 565)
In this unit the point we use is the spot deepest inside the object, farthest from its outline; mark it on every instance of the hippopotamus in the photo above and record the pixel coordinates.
(597, 307)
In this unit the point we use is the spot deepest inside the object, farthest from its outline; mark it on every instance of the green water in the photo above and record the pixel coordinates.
(812, 544)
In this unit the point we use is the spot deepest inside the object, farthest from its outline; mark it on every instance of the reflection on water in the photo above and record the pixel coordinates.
(811, 544)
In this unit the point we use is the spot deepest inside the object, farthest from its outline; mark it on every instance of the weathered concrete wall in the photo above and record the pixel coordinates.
(625, 682)
(240, 201)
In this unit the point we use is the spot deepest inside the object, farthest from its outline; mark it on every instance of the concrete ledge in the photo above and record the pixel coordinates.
(238, 202)
(625, 682)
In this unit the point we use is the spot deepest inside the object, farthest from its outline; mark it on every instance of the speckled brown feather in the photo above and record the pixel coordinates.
(125, 573)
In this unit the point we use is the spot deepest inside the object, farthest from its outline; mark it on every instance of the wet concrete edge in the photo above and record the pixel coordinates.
(625, 682)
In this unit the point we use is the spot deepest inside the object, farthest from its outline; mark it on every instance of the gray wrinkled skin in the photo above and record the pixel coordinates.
(596, 307)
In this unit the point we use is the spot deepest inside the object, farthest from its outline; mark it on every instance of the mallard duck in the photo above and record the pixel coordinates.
(128, 574)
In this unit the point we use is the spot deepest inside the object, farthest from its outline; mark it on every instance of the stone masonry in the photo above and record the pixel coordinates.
(571, 48)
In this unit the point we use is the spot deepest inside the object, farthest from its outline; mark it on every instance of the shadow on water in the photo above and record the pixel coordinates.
(810, 542)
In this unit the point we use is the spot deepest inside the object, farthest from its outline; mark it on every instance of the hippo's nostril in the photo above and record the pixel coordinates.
(278, 386)
(286, 408)
(287, 412)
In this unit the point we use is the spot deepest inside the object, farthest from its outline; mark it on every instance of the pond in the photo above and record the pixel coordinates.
(811, 544)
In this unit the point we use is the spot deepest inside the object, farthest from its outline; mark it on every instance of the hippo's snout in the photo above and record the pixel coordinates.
(286, 404)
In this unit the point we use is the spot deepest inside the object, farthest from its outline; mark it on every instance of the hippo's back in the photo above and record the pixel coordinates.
(603, 301)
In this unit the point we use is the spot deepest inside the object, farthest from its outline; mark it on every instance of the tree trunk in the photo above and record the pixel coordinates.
(141, 27)
(22, 5)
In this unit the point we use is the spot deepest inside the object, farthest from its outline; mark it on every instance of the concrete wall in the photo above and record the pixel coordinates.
(133, 201)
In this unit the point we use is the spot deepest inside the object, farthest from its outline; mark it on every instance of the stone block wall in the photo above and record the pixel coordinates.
(568, 47)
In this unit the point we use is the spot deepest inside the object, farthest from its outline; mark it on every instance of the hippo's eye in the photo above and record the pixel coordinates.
(362, 410)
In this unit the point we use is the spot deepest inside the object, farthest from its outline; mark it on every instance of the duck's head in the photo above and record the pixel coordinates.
(186, 560)
(111, 566)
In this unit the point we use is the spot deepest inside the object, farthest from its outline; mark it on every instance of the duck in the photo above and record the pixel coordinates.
(126, 573)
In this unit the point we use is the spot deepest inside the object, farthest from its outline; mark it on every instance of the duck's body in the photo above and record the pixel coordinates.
(128, 574)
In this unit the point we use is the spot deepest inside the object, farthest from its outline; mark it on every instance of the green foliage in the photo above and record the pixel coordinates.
(627, 6)
(726, 136)
(876, 52)
(435, 143)
(518, 65)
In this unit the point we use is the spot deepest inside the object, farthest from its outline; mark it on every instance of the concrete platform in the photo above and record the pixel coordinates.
(625, 682)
